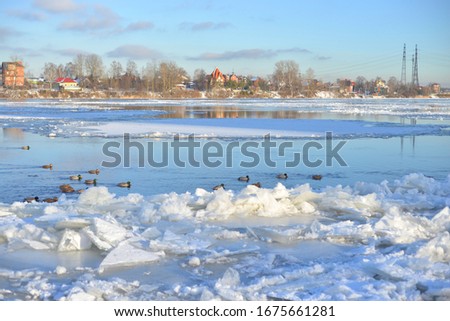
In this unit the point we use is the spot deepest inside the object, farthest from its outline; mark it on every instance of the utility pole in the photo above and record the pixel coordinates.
(403, 77)
(416, 70)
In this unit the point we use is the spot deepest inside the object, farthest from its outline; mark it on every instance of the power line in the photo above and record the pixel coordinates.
(374, 64)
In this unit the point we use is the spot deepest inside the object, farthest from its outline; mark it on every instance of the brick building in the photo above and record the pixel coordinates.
(13, 74)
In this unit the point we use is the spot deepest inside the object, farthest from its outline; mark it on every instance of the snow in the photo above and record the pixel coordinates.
(226, 128)
(368, 240)
(383, 238)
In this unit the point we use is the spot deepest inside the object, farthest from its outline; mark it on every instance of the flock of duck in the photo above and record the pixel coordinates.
(316, 177)
(67, 188)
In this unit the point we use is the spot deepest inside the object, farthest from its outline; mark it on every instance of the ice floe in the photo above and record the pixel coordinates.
(387, 241)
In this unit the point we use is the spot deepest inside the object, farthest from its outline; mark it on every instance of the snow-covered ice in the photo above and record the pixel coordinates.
(387, 241)
(372, 235)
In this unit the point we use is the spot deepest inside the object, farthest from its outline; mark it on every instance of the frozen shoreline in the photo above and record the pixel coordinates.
(393, 236)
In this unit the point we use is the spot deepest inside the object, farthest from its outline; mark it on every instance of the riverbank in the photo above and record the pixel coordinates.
(220, 93)
(19, 94)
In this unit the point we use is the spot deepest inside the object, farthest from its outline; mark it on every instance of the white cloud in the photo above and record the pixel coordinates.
(6, 33)
(134, 52)
(59, 6)
(203, 26)
(102, 18)
(70, 52)
(140, 25)
(247, 54)
(27, 15)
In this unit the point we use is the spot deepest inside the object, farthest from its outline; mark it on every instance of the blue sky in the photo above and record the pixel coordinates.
(337, 39)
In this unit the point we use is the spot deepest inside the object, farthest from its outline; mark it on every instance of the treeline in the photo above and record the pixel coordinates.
(165, 77)
(90, 72)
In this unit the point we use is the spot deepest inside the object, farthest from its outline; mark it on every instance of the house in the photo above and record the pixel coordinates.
(66, 84)
(217, 77)
(233, 78)
(347, 85)
(13, 74)
(435, 88)
(381, 88)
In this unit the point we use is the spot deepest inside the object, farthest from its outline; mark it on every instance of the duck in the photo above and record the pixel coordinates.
(25, 147)
(76, 177)
(282, 176)
(79, 191)
(257, 184)
(50, 200)
(94, 171)
(66, 188)
(217, 187)
(48, 166)
(31, 199)
(91, 182)
(244, 178)
(317, 177)
(125, 184)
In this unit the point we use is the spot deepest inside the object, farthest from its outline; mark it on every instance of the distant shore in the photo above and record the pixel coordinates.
(20, 94)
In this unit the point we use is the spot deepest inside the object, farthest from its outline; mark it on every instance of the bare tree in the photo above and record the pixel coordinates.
(311, 82)
(150, 74)
(116, 69)
(393, 84)
(50, 72)
(361, 84)
(115, 72)
(79, 66)
(69, 70)
(94, 67)
(131, 78)
(286, 77)
(170, 75)
(200, 79)
(60, 71)
(132, 68)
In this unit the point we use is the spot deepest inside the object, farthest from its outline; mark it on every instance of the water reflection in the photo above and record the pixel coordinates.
(75, 155)
(225, 112)
(412, 141)
(13, 133)
(171, 112)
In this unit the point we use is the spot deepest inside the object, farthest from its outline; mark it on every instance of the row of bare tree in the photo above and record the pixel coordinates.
(164, 76)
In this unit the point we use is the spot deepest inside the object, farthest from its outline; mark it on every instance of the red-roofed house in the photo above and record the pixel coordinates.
(217, 77)
(66, 84)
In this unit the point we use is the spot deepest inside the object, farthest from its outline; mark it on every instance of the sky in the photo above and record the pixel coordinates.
(336, 39)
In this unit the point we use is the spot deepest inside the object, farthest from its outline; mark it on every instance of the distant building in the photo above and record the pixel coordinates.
(233, 78)
(381, 88)
(217, 77)
(348, 86)
(435, 88)
(66, 84)
(35, 81)
(13, 74)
